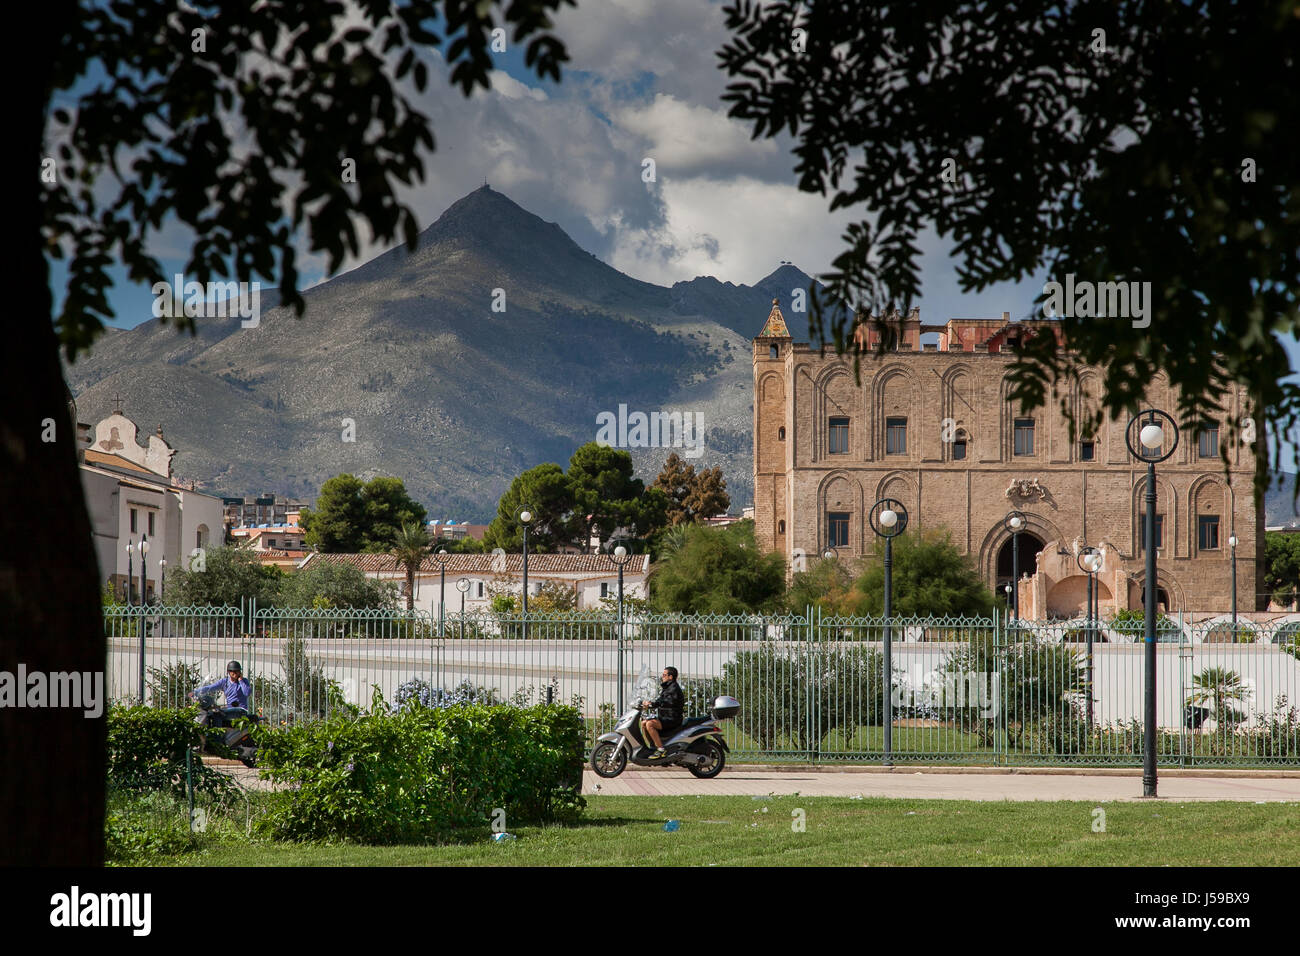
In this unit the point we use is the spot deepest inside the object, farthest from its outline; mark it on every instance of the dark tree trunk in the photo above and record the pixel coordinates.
(52, 761)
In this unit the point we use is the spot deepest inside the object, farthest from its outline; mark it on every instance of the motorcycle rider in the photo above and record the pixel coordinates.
(234, 685)
(237, 690)
(668, 705)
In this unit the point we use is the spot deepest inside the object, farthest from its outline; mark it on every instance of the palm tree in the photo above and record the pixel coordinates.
(1218, 688)
(410, 546)
(672, 541)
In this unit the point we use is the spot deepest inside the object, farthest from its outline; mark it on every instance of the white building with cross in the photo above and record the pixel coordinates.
(132, 497)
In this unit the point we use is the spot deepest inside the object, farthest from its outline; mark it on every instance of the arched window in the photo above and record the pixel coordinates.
(773, 352)
(959, 446)
(780, 433)
(780, 527)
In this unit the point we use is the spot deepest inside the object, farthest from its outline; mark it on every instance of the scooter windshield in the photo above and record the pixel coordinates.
(645, 687)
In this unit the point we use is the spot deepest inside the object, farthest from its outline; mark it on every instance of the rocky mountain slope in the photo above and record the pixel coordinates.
(490, 349)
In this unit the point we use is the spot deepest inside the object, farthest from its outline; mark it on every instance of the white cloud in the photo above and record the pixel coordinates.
(748, 225)
(512, 89)
(685, 139)
(622, 40)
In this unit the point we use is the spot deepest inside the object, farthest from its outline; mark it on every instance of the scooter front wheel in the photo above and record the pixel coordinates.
(608, 759)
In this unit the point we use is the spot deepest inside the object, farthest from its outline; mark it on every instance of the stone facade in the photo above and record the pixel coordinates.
(931, 426)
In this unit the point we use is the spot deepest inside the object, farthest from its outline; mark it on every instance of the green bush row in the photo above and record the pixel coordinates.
(417, 774)
(146, 751)
(1065, 732)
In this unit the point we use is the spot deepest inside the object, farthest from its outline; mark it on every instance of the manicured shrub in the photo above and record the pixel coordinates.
(146, 751)
(170, 685)
(418, 692)
(424, 772)
(1060, 732)
(1279, 732)
(796, 694)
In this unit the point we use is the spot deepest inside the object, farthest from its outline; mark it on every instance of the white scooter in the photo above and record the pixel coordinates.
(696, 745)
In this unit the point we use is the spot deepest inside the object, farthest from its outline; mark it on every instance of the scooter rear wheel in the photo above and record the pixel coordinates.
(718, 759)
(605, 762)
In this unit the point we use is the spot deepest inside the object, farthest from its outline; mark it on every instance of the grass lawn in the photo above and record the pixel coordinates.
(735, 831)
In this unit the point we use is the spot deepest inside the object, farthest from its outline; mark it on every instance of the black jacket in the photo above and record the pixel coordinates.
(669, 703)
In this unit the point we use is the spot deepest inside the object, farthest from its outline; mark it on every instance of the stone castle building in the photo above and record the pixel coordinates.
(931, 426)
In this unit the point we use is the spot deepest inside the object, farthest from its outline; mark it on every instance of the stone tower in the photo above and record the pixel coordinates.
(772, 424)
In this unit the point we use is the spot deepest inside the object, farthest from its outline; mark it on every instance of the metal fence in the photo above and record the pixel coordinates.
(962, 690)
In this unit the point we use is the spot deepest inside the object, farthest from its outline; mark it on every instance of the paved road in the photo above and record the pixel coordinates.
(945, 786)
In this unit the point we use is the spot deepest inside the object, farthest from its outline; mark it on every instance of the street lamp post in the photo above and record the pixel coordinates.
(144, 572)
(462, 586)
(162, 597)
(1015, 523)
(1089, 561)
(130, 573)
(621, 558)
(1232, 543)
(442, 557)
(888, 520)
(144, 566)
(1148, 446)
(525, 518)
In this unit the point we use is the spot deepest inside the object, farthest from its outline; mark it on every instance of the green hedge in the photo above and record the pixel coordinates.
(146, 751)
(421, 773)
(796, 695)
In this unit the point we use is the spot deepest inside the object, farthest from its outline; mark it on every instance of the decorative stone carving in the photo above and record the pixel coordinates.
(1026, 488)
(117, 435)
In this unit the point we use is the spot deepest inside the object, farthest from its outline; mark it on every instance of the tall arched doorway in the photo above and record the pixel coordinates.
(1162, 600)
(1030, 545)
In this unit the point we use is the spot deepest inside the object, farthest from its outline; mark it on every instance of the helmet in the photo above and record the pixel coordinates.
(234, 666)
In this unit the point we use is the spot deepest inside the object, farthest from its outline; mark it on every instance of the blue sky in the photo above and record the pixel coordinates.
(642, 82)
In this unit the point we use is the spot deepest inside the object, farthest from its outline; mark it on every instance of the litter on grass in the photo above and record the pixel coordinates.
(672, 826)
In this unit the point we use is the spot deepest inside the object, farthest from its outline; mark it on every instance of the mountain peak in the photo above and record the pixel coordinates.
(488, 216)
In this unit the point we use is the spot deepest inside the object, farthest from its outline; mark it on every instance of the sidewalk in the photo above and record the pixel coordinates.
(951, 784)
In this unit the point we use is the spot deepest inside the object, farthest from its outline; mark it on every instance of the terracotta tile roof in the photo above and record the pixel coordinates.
(490, 564)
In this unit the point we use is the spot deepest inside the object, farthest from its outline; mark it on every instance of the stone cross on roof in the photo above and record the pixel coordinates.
(775, 327)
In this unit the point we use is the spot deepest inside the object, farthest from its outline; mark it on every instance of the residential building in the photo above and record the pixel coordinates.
(592, 577)
(455, 530)
(261, 511)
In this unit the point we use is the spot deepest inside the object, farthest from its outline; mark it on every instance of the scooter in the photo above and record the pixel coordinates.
(238, 719)
(696, 745)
